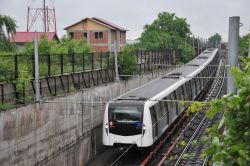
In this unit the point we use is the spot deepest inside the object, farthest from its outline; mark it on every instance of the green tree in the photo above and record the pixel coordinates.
(244, 44)
(216, 38)
(127, 61)
(7, 28)
(167, 32)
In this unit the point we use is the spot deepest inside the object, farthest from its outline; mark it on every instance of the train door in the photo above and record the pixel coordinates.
(179, 94)
(171, 107)
(164, 113)
(158, 113)
(154, 122)
(189, 91)
(184, 89)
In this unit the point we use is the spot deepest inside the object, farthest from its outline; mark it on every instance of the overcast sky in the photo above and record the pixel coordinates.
(205, 17)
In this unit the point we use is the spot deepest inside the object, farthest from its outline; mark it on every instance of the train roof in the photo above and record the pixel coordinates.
(151, 89)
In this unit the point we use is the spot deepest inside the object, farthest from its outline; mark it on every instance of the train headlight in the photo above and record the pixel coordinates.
(106, 128)
(144, 129)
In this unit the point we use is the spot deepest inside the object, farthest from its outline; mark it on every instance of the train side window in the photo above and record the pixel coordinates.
(170, 104)
(204, 75)
(184, 91)
(166, 110)
(157, 111)
(189, 90)
(193, 88)
(171, 108)
(209, 71)
(154, 120)
(163, 107)
(153, 115)
(201, 80)
(207, 74)
(174, 97)
(197, 83)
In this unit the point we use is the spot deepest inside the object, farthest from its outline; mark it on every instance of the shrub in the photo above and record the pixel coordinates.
(127, 61)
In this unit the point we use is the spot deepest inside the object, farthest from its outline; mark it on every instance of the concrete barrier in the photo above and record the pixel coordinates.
(64, 130)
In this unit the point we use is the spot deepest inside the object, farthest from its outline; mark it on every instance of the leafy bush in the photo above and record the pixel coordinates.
(244, 44)
(66, 46)
(127, 61)
(22, 83)
(232, 147)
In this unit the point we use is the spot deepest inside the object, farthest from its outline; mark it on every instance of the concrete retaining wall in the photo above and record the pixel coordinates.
(63, 130)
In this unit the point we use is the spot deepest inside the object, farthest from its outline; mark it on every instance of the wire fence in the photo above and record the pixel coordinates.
(61, 64)
(52, 64)
(63, 72)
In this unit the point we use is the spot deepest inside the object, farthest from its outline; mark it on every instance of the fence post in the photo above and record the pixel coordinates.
(83, 62)
(101, 60)
(16, 67)
(116, 63)
(108, 60)
(36, 58)
(2, 93)
(61, 63)
(49, 64)
(73, 63)
(93, 67)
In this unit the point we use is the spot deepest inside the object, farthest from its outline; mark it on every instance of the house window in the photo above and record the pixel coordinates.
(85, 35)
(71, 35)
(98, 35)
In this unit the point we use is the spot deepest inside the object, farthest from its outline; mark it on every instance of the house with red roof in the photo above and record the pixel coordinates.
(101, 34)
(20, 38)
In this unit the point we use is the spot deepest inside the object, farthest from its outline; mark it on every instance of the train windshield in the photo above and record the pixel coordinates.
(126, 114)
(125, 120)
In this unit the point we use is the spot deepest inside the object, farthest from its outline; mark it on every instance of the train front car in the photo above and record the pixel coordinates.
(123, 123)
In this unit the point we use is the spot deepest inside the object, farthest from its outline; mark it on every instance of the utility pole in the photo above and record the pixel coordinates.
(116, 62)
(233, 51)
(37, 82)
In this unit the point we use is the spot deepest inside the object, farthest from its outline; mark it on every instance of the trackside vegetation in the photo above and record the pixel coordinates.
(229, 139)
(127, 61)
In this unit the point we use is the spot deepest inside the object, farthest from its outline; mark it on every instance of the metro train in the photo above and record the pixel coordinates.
(142, 115)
